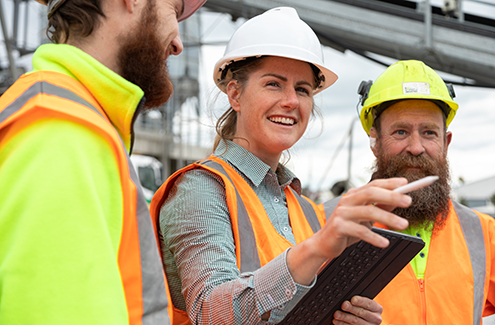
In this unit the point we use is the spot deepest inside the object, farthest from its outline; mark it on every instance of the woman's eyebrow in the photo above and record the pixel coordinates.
(285, 79)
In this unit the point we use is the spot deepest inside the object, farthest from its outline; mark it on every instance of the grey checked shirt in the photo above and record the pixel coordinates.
(198, 246)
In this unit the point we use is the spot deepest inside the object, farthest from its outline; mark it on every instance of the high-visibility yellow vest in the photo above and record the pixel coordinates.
(46, 94)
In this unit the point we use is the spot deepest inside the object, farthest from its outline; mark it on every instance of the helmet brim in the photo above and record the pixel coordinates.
(329, 76)
(190, 7)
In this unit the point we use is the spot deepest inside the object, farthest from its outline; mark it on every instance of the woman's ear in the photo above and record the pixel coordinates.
(234, 92)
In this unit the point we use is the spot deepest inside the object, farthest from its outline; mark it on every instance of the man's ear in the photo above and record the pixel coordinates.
(130, 5)
(448, 140)
(234, 92)
(373, 137)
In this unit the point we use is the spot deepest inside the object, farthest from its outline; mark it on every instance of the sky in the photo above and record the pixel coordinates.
(315, 159)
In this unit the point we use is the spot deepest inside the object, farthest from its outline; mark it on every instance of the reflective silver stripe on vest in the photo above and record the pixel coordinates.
(308, 211)
(154, 294)
(475, 241)
(42, 87)
(250, 260)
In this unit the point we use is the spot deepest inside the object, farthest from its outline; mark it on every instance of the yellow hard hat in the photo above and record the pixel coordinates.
(408, 79)
(190, 7)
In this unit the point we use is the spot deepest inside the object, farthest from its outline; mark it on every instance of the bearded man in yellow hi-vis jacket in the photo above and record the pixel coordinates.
(77, 244)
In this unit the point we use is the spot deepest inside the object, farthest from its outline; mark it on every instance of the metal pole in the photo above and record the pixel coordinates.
(428, 31)
(8, 45)
(181, 144)
(349, 161)
(461, 11)
(15, 30)
(26, 19)
(166, 160)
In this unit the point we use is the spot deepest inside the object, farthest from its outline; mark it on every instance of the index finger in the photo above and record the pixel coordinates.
(377, 192)
(387, 183)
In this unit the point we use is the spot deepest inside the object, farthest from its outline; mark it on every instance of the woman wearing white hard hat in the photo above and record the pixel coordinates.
(240, 245)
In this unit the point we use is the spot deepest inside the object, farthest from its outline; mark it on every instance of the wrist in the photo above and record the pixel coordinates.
(303, 262)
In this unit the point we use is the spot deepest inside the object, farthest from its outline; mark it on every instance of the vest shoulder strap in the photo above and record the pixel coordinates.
(250, 260)
(308, 210)
(24, 93)
(475, 241)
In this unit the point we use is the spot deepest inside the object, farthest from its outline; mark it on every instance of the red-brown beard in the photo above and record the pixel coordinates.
(142, 60)
(430, 205)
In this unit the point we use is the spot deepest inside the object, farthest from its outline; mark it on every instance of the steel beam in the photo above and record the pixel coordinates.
(463, 49)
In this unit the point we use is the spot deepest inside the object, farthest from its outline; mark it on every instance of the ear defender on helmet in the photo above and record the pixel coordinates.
(364, 90)
(450, 88)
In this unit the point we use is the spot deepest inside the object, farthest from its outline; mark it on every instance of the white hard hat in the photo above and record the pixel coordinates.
(277, 32)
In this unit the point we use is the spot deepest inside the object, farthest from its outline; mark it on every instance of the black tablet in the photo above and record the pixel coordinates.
(362, 269)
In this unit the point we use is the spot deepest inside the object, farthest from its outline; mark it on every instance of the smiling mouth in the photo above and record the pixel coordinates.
(282, 120)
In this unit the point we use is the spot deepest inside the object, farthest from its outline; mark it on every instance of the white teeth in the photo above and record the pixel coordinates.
(283, 120)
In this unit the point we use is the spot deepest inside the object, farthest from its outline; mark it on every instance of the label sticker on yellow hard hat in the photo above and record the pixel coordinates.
(416, 88)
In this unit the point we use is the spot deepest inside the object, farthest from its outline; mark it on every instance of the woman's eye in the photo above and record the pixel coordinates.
(303, 90)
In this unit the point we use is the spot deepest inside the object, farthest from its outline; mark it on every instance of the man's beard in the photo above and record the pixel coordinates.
(430, 205)
(142, 60)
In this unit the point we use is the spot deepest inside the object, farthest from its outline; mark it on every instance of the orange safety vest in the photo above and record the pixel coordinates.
(258, 242)
(456, 281)
(47, 94)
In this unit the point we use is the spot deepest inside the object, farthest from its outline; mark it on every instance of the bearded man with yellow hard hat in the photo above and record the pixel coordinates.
(77, 243)
(406, 112)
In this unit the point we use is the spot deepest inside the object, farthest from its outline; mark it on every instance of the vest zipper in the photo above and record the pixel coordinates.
(422, 298)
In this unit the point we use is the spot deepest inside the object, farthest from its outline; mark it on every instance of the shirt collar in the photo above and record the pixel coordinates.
(252, 167)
